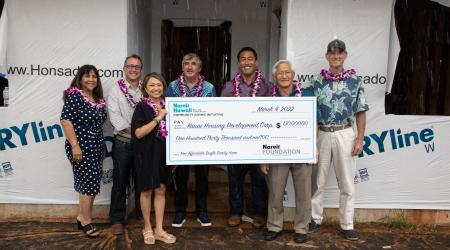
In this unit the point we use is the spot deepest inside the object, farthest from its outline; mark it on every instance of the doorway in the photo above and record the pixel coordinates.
(211, 43)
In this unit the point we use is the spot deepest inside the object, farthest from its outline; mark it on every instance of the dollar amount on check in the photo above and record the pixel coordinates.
(229, 130)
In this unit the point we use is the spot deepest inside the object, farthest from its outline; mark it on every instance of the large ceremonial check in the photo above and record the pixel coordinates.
(230, 130)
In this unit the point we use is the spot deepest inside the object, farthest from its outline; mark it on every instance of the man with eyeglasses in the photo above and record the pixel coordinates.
(341, 103)
(191, 83)
(122, 100)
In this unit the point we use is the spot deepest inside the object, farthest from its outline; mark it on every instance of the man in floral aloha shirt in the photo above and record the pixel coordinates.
(342, 104)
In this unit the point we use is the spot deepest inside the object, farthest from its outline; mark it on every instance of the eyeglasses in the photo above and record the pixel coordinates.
(283, 73)
(131, 66)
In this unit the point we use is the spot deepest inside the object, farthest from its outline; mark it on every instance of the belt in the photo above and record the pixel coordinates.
(123, 138)
(333, 128)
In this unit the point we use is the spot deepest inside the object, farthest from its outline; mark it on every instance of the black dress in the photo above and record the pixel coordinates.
(87, 122)
(149, 151)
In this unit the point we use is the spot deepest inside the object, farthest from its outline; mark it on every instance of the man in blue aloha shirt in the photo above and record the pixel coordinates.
(191, 84)
(341, 104)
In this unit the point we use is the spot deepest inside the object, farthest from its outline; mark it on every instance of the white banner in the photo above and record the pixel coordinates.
(45, 48)
(229, 130)
(404, 163)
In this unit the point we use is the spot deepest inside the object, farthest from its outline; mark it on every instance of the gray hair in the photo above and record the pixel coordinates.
(190, 56)
(275, 66)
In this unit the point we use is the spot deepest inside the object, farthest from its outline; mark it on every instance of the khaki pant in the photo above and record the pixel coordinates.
(335, 149)
(277, 179)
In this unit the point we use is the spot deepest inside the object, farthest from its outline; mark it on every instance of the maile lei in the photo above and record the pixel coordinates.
(127, 94)
(327, 75)
(297, 85)
(201, 80)
(162, 124)
(100, 104)
(237, 84)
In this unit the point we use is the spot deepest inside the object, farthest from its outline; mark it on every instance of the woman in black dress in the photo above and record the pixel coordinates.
(148, 128)
(82, 119)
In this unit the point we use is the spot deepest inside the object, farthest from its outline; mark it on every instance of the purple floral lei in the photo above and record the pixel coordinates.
(201, 80)
(297, 85)
(127, 94)
(100, 104)
(237, 84)
(327, 75)
(162, 124)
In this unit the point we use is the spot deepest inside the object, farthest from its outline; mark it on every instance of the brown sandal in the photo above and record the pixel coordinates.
(165, 237)
(149, 238)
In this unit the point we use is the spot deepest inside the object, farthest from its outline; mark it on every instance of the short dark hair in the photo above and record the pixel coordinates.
(133, 56)
(247, 49)
(97, 93)
(156, 76)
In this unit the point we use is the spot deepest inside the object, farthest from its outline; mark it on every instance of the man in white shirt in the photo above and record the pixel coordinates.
(122, 100)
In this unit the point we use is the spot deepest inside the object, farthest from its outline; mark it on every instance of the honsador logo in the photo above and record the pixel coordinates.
(182, 108)
(6, 169)
(377, 143)
(361, 175)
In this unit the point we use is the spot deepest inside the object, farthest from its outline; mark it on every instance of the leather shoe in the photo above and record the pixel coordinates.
(234, 220)
(117, 229)
(313, 226)
(350, 234)
(258, 222)
(270, 235)
(299, 238)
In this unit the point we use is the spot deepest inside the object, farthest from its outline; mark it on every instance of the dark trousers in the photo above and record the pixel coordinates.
(201, 188)
(122, 156)
(236, 176)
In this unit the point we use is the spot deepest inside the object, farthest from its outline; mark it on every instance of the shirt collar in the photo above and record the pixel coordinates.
(128, 85)
(291, 94)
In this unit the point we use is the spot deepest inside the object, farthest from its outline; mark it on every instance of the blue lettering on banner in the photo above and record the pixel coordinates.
(15, 136)
(20, 132)
(376, 143)
(429, 147)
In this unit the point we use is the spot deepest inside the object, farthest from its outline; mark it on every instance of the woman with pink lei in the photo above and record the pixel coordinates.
(148, 129)
(82, 118)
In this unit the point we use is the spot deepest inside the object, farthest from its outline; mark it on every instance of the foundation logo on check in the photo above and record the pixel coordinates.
(277, 150)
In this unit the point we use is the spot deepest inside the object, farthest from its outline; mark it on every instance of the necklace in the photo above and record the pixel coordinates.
(123, 88)
(297, 85)
(100, 104)
(237, 84)
(201, 80)
(162, 124)
(327, 75)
